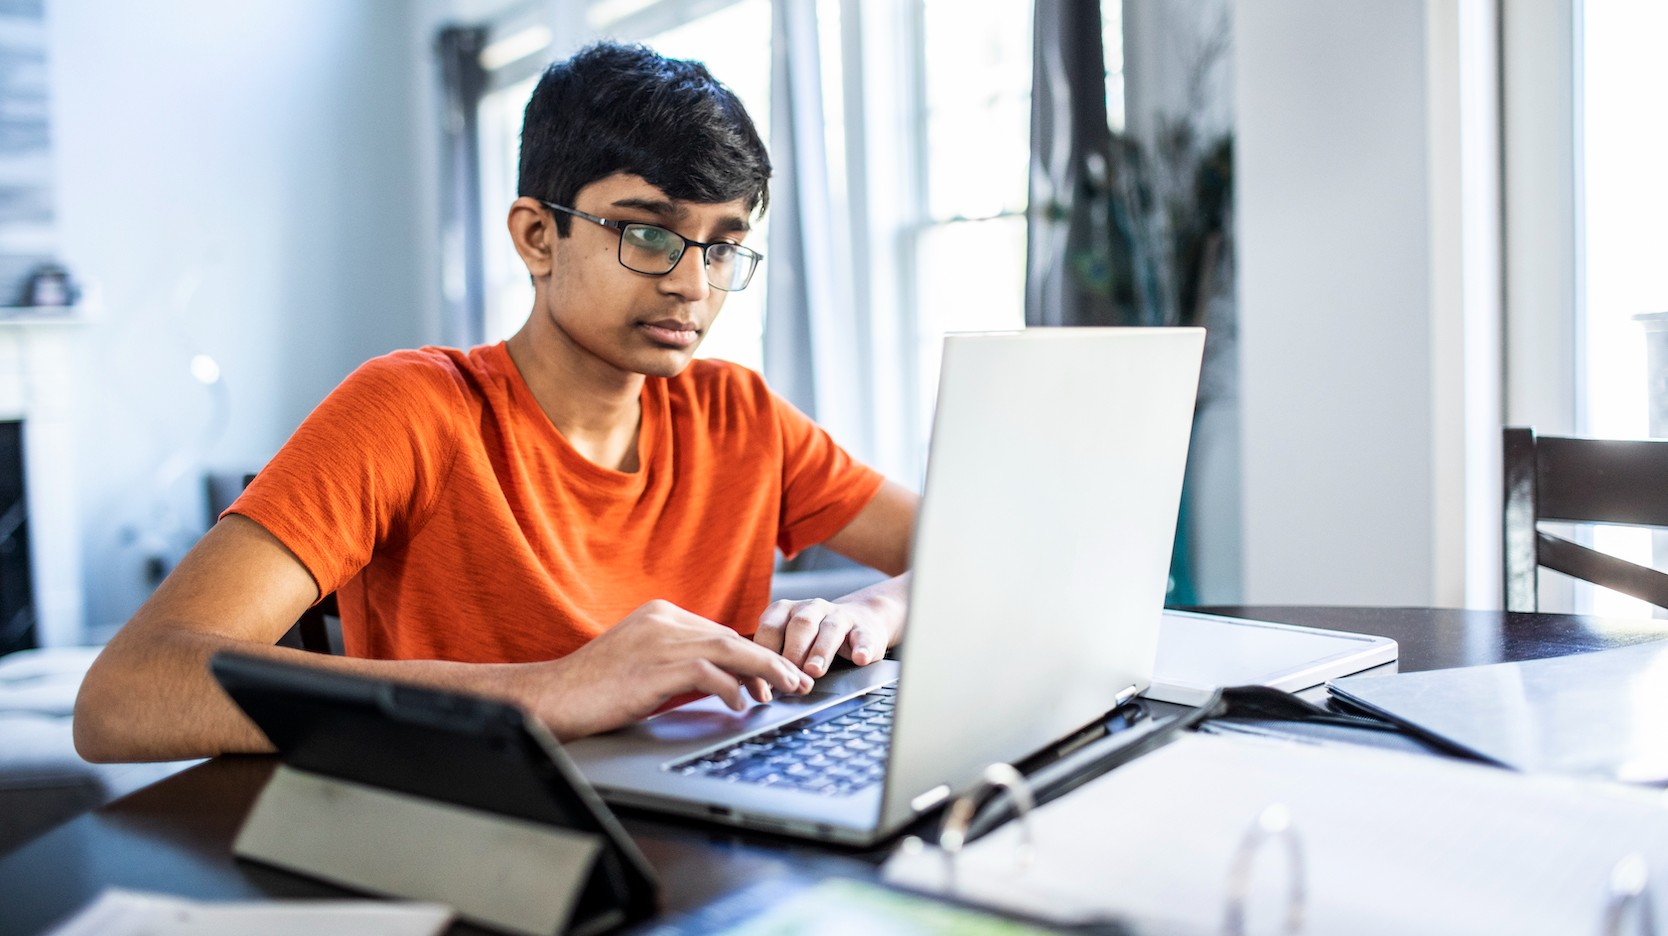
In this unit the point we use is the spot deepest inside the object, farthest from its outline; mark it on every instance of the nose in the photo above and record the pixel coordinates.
(688, 278)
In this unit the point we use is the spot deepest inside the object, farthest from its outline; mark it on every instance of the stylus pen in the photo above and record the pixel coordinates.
(1089, 761)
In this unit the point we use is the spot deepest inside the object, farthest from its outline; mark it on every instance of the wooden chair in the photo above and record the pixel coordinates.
(1580, 481)
(318, 629)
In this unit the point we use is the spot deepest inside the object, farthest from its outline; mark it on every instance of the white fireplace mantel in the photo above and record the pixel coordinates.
(37, 386)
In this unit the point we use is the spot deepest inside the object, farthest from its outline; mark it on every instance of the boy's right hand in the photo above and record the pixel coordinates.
(654, 653)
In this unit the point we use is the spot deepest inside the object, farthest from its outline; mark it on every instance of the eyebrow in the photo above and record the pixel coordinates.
(729, 224)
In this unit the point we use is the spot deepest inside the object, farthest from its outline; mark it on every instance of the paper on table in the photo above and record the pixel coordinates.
(131, 913)
(1601, 714)
(1393, 843)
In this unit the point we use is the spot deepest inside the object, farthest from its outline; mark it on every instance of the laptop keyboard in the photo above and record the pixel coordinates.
(835, 751)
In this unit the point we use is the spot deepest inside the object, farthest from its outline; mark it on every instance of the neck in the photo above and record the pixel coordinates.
(594, 405)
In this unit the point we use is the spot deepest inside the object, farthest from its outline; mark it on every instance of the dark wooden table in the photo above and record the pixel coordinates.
(175, 836)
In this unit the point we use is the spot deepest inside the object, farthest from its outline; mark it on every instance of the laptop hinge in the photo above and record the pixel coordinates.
(931, 798)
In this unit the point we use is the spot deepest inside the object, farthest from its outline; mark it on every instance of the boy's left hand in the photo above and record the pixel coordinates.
(859, 627)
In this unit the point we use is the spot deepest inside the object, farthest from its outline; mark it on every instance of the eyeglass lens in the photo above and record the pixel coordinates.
(646, 248)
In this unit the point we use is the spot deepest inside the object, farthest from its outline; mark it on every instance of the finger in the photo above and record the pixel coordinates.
(772, 623)
(802, 629)
(757, 688)
(742, 658)
(720, 644)
(862, 646)
(704, 676)
(829, 638)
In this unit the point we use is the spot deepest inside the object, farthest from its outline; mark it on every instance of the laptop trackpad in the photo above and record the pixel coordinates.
(710, 717)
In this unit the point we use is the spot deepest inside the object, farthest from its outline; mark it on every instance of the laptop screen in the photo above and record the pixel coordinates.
(1042, 550)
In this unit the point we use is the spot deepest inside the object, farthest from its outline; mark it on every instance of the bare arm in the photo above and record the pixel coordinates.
(879, 536)
(862, 625)
(150, 696)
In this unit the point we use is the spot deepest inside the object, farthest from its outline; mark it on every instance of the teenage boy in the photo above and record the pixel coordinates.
(581, 520)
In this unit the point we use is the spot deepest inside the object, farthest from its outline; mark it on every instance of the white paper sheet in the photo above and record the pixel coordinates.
(1602, 714)
(132, 913)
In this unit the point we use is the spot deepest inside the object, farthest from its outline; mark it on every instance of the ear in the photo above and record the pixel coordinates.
(534, 237)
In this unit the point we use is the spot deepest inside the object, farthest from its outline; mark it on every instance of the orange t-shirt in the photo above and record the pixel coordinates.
(454, 522)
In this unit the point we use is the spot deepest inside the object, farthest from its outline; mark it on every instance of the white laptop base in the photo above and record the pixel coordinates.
(1199, 653)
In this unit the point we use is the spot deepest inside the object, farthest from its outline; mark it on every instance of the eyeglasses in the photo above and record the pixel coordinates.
(654, 250)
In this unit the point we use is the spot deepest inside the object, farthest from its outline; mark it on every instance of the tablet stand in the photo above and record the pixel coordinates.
(504, 872)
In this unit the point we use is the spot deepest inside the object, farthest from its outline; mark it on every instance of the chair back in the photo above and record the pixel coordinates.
(319, 629)
(1580, 481)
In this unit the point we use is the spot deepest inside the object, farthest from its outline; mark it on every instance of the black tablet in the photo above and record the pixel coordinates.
(455, 748)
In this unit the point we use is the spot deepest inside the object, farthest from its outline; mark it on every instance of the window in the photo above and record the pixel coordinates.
(734, 42)
(933, 156)
(1624, 133)
(509, 293)
(969, 246)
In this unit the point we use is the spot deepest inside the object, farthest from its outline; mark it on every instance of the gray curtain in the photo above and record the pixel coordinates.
(1089, 261)
(1071, 161)
(463, 83)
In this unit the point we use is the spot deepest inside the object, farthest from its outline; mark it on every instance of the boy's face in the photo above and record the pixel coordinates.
(637, 322)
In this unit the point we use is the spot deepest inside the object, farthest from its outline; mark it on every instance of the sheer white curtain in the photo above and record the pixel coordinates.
(812, 327)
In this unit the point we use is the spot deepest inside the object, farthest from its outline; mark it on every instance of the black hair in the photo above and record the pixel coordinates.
(626, 108)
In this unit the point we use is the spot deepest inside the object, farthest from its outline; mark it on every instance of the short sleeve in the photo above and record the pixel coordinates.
(364, 468)
(823, 487)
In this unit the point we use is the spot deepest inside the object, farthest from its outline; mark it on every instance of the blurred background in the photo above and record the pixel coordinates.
(1406, 223)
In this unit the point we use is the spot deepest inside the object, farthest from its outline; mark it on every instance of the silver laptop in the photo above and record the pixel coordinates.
(1041, 557)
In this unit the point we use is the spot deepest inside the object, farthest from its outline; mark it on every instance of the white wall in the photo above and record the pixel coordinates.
(1541, 62)
(1346, 376)
(245, 180)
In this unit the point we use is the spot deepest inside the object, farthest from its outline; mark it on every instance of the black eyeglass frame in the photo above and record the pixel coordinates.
(619, 227)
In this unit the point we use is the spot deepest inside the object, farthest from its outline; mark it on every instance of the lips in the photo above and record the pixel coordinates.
(672, 332)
